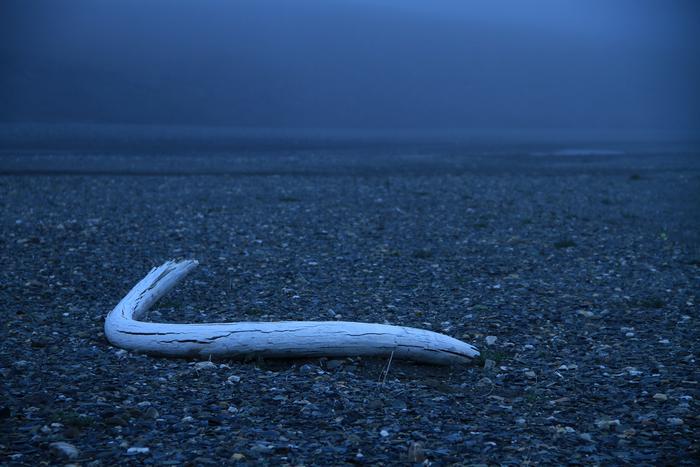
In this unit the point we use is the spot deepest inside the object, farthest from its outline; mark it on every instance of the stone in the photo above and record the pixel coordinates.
(64, 450)
(674, 421)
(660, 397)
(334, 364)
(205, 366)
(135, 451)
(490, 340)
(607, 424)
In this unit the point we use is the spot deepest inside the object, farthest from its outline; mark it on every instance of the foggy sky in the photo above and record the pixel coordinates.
(612, 64)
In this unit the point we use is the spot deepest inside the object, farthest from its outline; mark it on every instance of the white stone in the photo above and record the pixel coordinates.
(133, 451)
(490, 340)
(64, 449)
(205, 366)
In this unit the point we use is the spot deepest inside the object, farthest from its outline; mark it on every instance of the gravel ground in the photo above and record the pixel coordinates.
(577, 277)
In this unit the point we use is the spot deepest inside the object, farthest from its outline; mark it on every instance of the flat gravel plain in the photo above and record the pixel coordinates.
(577, 277)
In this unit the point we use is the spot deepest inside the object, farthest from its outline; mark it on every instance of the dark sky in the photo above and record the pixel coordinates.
(611, 64)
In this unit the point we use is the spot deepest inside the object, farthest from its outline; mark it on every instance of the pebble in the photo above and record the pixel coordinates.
(205, 366)
(233, 379)
(65, 450)
(607, 424)
(134, 451)
(490, 340)
(384, 433)
(660, 397)
(531, 374)
(489, 365)
(334, 364)
(675, 421)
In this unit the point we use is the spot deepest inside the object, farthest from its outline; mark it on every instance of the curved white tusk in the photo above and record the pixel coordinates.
(282, 339)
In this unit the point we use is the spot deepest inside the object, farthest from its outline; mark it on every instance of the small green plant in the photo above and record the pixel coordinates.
(254, 311)
(288, 199)
(566, 243)
(423, 253)
(73, 419)
(652, 302)
(497, 356)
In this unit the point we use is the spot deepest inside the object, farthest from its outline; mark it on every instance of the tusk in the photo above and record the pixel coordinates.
(281, 339)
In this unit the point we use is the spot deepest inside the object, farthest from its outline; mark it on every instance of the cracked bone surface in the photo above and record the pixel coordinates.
(280, 339)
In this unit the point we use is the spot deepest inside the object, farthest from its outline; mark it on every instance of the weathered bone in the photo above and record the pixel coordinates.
(282, 339)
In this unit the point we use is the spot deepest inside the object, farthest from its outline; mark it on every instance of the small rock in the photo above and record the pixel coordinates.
(65, 450)
(383, 433)
(674, 421)
(237, 457)
(489, 365)
(490, 340)
(334, 364)
(664, 341)
(233, 379)
(660, 397)
(531, 374)
(586, 437)
(151, 412)
(134, 451)
(205, 366)
(607, 424)
(520, 421)
(528, 346)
